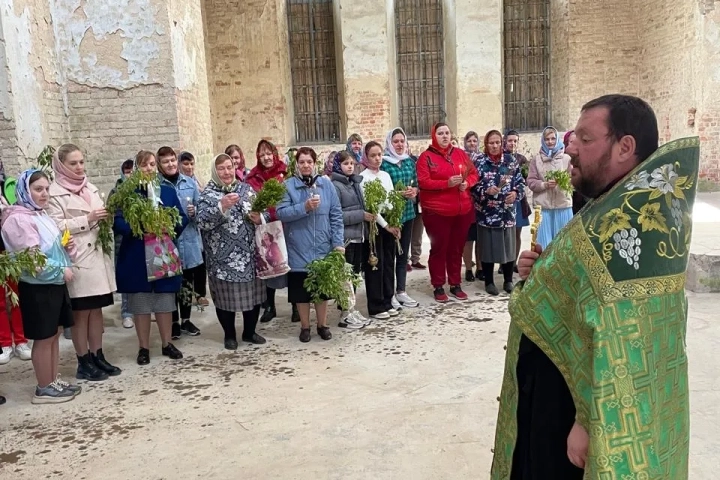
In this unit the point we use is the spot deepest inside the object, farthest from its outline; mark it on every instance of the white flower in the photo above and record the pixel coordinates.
(664, 178)
(639, 180)
(627, 245)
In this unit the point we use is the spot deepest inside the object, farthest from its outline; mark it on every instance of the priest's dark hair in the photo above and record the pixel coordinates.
(628, 115)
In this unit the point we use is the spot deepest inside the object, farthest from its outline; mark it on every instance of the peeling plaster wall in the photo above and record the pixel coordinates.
(191, 84)
(8, 138)
(32, 98)
(367, 61)
(479, 54)
(248, 72)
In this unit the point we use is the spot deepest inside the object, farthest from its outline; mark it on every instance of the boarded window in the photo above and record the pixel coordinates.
(527, 64)
(314, 77)
(420, 64)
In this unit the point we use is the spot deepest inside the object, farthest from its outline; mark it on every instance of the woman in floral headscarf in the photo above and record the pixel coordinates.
(44, 299)
(270, 166)
(501, 184)
(228, 232)
(354, 145)
(556, 204)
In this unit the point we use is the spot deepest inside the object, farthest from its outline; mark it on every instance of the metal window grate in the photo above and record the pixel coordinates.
(314, 77)
(527, 64)
(421, 64)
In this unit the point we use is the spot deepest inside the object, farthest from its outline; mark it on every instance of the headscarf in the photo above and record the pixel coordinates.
(559, 145)
(504, 141)
(348, 146)
(389, 154)
(435, 144)
(465, 142)
(129, 163)
(566, 138)
(278, 167)
(216, 178)
(69, 180)
(22, 190)
(486, 142)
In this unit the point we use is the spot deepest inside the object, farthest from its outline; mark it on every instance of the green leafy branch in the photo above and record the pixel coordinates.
(271, 193)
(562, 178)
(329, 277)
(44, 161)
(13, 265)
(139, 211)
(375, 197)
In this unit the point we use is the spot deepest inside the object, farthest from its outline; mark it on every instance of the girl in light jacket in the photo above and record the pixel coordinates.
(75, 205)
(44, 299)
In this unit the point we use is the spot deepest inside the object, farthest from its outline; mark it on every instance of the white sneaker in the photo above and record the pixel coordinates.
(395, 303)
(359, 317)
(382, 315)
(393, 313)
(128, 322)
(347, 320)
(6, 355)
(405, 300)
(23, 351)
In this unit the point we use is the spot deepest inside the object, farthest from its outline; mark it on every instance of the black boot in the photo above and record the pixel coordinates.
(268, 314)
(88, 371)
(104, 365)
(295, 314)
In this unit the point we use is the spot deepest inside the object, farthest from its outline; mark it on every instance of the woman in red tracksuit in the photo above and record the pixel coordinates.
(445, 176)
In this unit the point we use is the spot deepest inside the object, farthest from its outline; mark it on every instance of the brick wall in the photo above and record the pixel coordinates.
(248, 72)
(111, 125)
(368, 115)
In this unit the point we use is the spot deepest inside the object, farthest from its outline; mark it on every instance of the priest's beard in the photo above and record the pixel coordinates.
(590, 180)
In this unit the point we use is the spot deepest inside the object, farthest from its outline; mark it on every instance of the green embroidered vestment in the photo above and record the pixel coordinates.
(606, 303)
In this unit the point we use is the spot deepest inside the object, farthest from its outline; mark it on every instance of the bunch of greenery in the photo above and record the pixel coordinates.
(138, 211)
(397, 207)
(269, 195)
(375, 197)
(562, 178)
(12, 265)
(330, 277)
(44, 161)
(292, 162)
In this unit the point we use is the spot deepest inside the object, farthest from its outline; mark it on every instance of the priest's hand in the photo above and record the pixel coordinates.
(577, 445)
(527, 260)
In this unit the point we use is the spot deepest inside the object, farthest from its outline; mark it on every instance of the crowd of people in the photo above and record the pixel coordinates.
(468, 200)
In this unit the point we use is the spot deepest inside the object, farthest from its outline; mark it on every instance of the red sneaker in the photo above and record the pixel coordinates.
(458, 293)
(419, 266)
(440, 295)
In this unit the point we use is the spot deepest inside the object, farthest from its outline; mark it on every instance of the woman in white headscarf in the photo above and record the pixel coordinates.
(397, 163)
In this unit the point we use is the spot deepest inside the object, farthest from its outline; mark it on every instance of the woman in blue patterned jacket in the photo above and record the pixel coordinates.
(228, 232)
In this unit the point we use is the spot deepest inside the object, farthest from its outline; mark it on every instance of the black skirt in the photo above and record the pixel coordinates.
(297, 293)
(91, 303)
(44, 309)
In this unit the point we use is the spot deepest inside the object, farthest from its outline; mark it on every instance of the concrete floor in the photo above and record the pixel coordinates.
(409, 398)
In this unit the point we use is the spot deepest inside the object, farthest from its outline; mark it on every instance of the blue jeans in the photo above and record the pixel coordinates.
(124, 306)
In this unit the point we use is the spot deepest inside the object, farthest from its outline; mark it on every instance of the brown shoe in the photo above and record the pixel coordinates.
(203, 302)
(419, 266)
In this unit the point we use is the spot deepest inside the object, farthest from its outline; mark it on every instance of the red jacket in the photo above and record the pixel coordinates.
(434, 170)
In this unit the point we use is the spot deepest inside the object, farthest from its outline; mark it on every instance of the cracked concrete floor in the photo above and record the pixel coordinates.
(409, 398)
